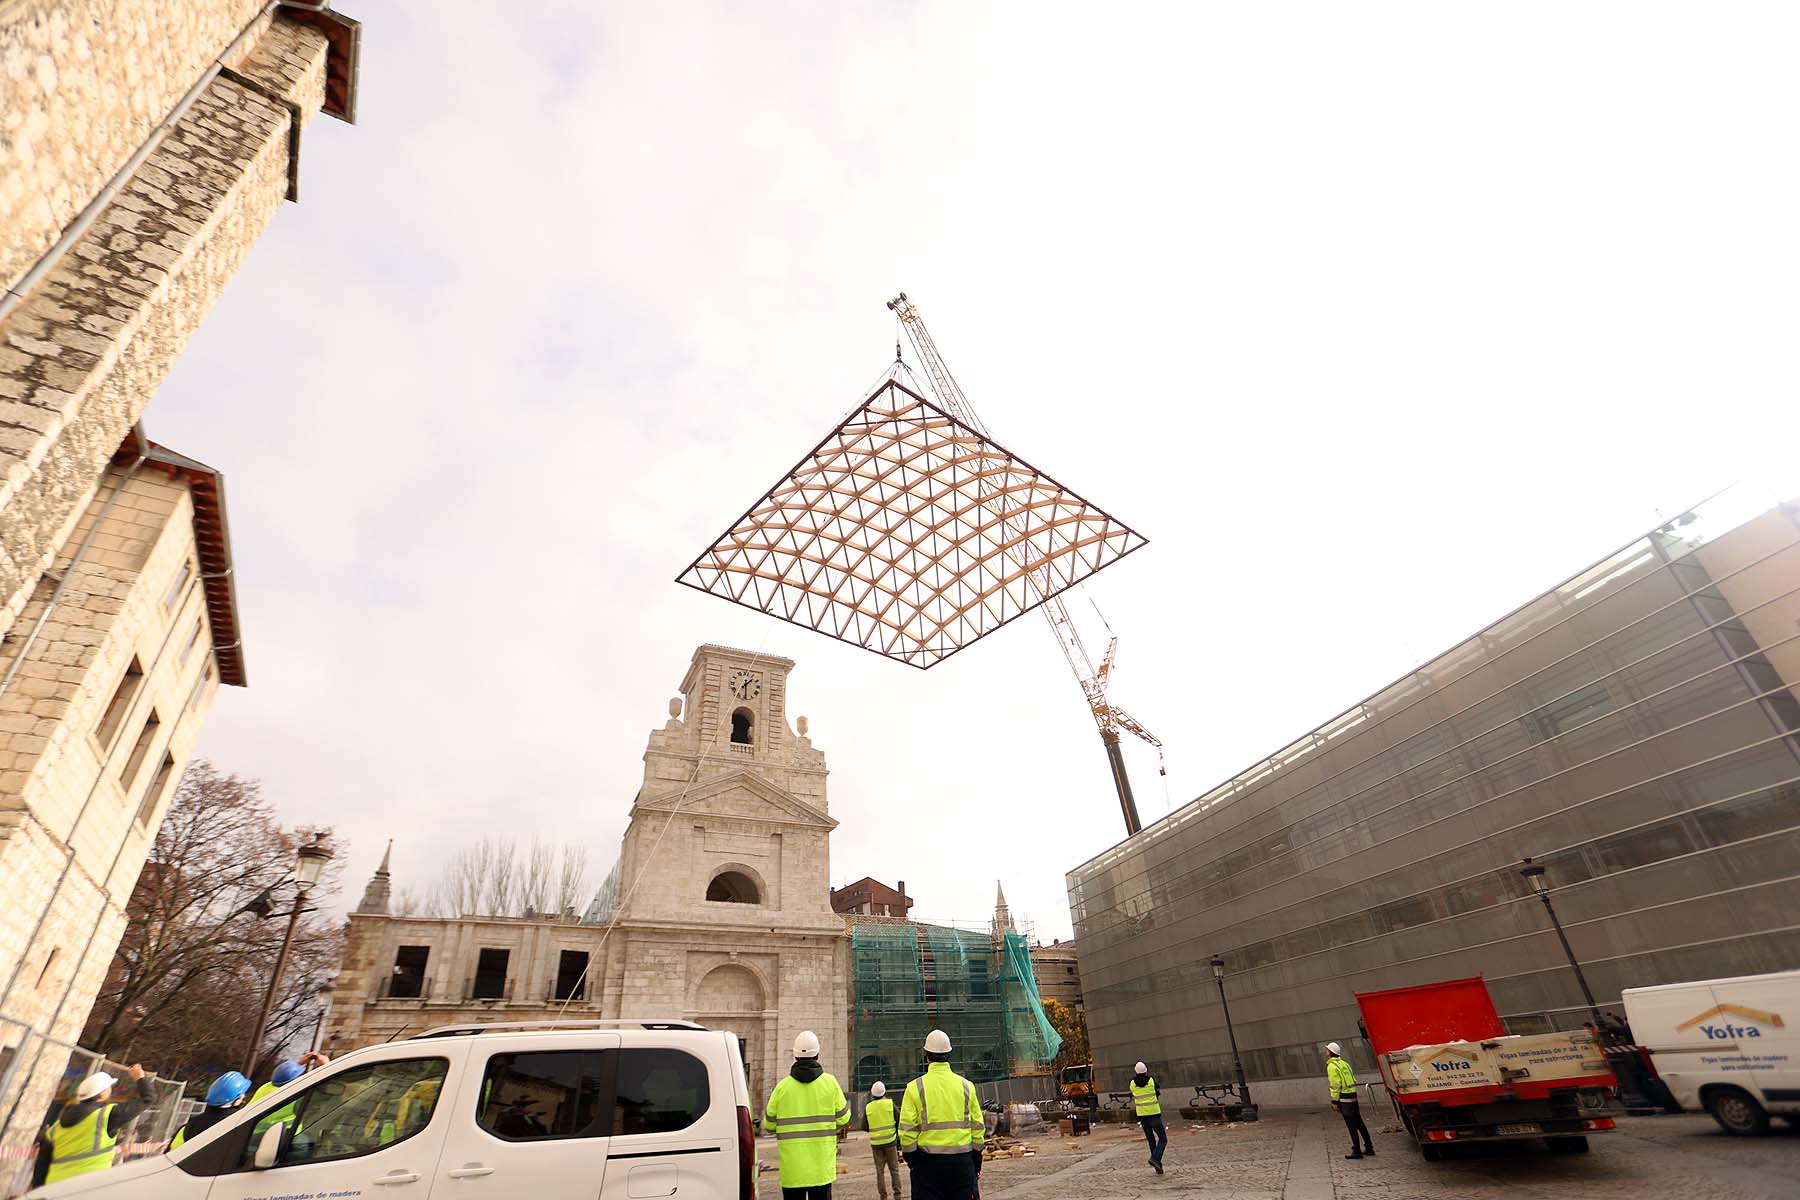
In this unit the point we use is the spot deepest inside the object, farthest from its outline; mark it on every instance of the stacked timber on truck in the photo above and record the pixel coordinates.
(1455, 1075)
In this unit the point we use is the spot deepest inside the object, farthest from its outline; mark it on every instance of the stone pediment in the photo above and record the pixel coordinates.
(742, 796)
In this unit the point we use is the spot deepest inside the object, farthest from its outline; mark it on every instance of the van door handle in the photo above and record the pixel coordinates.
(395, 1177)
(470, 1171)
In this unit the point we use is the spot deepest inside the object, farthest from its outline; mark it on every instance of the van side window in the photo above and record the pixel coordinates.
(659, 1091)
(359, 1111)
(549, 1094)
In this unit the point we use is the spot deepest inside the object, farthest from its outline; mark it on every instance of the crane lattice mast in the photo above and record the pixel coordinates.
(1110, 718)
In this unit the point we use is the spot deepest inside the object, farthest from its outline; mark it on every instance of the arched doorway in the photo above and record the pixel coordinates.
(732, 997)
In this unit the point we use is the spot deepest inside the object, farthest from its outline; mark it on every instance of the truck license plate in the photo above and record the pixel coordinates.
(1526, 1128)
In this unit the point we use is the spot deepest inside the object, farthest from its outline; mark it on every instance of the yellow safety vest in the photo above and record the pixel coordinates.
(805, 1119)
(1145, 1098)
(1341, 1079)
(939, 1114)
(82, 1147)
(882, 1131)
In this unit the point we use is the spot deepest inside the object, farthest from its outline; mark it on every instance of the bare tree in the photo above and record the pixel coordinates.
(571, 879)
(184, 988)
(493, 879)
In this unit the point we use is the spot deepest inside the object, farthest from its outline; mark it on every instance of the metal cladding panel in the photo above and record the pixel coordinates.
(1457, 1010)
(908, 533)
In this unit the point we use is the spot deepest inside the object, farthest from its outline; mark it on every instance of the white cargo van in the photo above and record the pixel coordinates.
(1729, 1046)
(585, 1110)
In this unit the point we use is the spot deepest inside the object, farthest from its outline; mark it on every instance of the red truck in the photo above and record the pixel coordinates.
(1455, 1075)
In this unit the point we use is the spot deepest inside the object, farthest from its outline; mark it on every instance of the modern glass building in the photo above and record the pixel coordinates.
(1635, 730)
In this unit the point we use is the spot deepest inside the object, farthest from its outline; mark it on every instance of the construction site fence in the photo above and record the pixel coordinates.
(38, 1075)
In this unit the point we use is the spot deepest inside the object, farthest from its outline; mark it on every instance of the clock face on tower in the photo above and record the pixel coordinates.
(744, 685)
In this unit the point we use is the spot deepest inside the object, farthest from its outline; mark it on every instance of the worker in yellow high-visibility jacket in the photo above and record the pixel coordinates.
(884, 1139)
(941, 1128)
(84, 1134)
(809, 1115)
(1146, 1103)
(1342, 1082)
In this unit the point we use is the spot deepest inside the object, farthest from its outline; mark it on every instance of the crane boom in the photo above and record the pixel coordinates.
(1093, 680)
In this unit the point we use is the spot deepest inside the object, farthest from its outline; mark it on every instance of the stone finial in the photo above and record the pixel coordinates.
(375, 895)
(675, 706)
(800, 724)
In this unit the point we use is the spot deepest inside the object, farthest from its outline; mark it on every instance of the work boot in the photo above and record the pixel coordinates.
(1368, 1152)
(1354, 1154)
(1157, 1163)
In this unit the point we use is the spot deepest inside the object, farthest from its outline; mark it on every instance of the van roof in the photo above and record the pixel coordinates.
(1676, 987)
(501, 1027)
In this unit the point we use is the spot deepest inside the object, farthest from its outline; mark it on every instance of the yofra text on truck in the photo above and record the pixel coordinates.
(1728, 1046)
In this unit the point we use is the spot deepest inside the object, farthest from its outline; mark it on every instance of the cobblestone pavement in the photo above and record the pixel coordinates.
(1298, 1156)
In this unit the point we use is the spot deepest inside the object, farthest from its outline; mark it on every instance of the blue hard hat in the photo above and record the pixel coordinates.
(227, 1089)
(287, 1072)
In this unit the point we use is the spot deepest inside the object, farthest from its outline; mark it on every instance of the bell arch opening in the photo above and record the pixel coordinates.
(733, 887)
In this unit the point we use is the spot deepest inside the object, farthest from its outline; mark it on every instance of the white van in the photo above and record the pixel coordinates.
(1729, 1046)
(583, 1110)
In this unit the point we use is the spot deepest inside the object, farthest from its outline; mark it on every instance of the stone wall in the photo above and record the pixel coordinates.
(88, 760)
(82, 353)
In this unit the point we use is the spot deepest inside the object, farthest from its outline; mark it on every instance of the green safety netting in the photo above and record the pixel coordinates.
(910, 979)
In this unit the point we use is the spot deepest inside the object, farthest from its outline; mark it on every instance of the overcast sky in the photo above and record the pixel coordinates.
(1376, 319)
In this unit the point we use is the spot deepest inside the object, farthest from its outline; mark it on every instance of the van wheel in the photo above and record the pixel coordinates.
(1567, 1145)
(1737, 1112)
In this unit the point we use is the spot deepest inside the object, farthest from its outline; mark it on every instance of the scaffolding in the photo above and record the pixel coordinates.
(910, 979)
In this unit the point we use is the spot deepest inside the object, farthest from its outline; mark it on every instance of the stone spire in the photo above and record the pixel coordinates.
(1003, 922)
(375, 896)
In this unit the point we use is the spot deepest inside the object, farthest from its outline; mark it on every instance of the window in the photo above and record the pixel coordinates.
(408, 980)
(733, 887)
(741, 721)
(141, 750)
(153, 796)
(571, 975)
(120, 704)
(490, 975)
(181, 577)
(361, 1110)
(554, 1094)
(659, 1091)
(200, 685)
(193, 637)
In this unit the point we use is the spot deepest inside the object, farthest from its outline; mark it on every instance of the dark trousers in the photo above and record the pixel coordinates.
(944, 1176)
(822, 1192)
(1352, 1114)
(1157, 1134)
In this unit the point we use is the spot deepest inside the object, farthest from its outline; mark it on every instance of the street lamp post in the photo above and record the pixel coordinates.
(1534, 875)
(309, 863)
(1237, 1062)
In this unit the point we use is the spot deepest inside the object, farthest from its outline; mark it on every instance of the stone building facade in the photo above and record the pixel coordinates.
(718, 911)
(143, 149)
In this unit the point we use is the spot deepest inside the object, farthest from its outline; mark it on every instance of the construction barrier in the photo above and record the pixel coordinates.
(38, 1075)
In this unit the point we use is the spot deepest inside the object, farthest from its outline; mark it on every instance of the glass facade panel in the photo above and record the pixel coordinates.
(1634, 730)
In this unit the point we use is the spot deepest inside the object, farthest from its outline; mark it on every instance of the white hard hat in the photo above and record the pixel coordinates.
(1140, 1068)
(879, 1090)
(1333, 1048)
(93, 1085)
(806, 1045)
(937, 1042)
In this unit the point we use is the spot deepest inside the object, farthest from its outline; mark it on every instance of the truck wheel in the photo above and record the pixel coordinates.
(1737, 1112)
(1430, 1153)
(1567, 1145)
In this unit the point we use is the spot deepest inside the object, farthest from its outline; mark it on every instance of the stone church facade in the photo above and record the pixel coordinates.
(719, 910)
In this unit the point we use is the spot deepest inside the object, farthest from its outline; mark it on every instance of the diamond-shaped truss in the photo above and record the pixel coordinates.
(910, 534)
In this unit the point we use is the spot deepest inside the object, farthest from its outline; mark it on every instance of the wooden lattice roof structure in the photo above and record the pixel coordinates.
(908, 533)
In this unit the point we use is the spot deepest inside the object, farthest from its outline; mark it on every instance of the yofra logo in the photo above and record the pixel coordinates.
(1455, 1064)
(1725, 1030)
